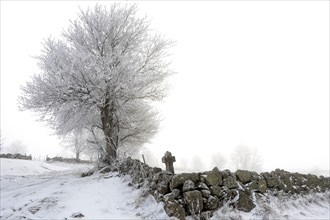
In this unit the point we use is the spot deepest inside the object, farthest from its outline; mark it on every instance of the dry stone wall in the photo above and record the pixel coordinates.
(200, 194)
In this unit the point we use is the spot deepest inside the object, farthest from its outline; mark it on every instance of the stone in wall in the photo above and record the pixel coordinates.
(174, 209)
(201, 186)
(179, 179)
(216, 191)
(270, 180)
(226, 173)
(206, 193)
(244, 176)
(262, 184)
(162, 176)
(230, 182)
(194, 201)
(252, 186)
(212, 203)
(162, 189)
(213, 178)
(244, 201)
(188, 186)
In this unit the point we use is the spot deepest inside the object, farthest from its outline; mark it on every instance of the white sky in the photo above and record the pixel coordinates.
(248, 72)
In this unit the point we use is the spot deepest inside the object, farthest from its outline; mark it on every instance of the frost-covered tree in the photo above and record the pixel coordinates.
(17, 147)
(102, 75)
(246, 158)
(219, 160)
(77, 142)
(91, 152)
(197, 164)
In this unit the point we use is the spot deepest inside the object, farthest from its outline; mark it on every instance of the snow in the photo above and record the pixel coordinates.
(59, 192)
(312, 206)
(10, 167)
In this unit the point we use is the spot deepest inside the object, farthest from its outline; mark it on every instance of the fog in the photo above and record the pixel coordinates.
(253, 74)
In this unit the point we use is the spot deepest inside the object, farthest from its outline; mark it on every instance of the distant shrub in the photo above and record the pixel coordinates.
(16, 156)
(66, 160)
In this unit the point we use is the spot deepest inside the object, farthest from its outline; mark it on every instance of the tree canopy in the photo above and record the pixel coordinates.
(102, 75)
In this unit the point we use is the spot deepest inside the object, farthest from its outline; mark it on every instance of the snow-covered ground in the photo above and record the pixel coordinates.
(10, 167)
(40, 190)
(313, 206)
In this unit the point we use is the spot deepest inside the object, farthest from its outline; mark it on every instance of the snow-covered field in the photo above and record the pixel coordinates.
(10, 167)
(40, 190)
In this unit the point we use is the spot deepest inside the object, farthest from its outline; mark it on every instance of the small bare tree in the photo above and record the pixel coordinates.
(197, 164)
(77, 142)
(103, 74)
(246, 158)
(219, 160)
(91, 152)
(17, 147)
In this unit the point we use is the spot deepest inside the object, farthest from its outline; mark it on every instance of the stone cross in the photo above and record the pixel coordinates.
(168, 159)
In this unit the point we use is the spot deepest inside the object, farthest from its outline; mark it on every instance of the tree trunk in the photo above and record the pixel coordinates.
(108, 129)
(111, 149)
(77, 147)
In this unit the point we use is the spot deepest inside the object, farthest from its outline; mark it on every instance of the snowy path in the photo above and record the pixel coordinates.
(59, 194)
